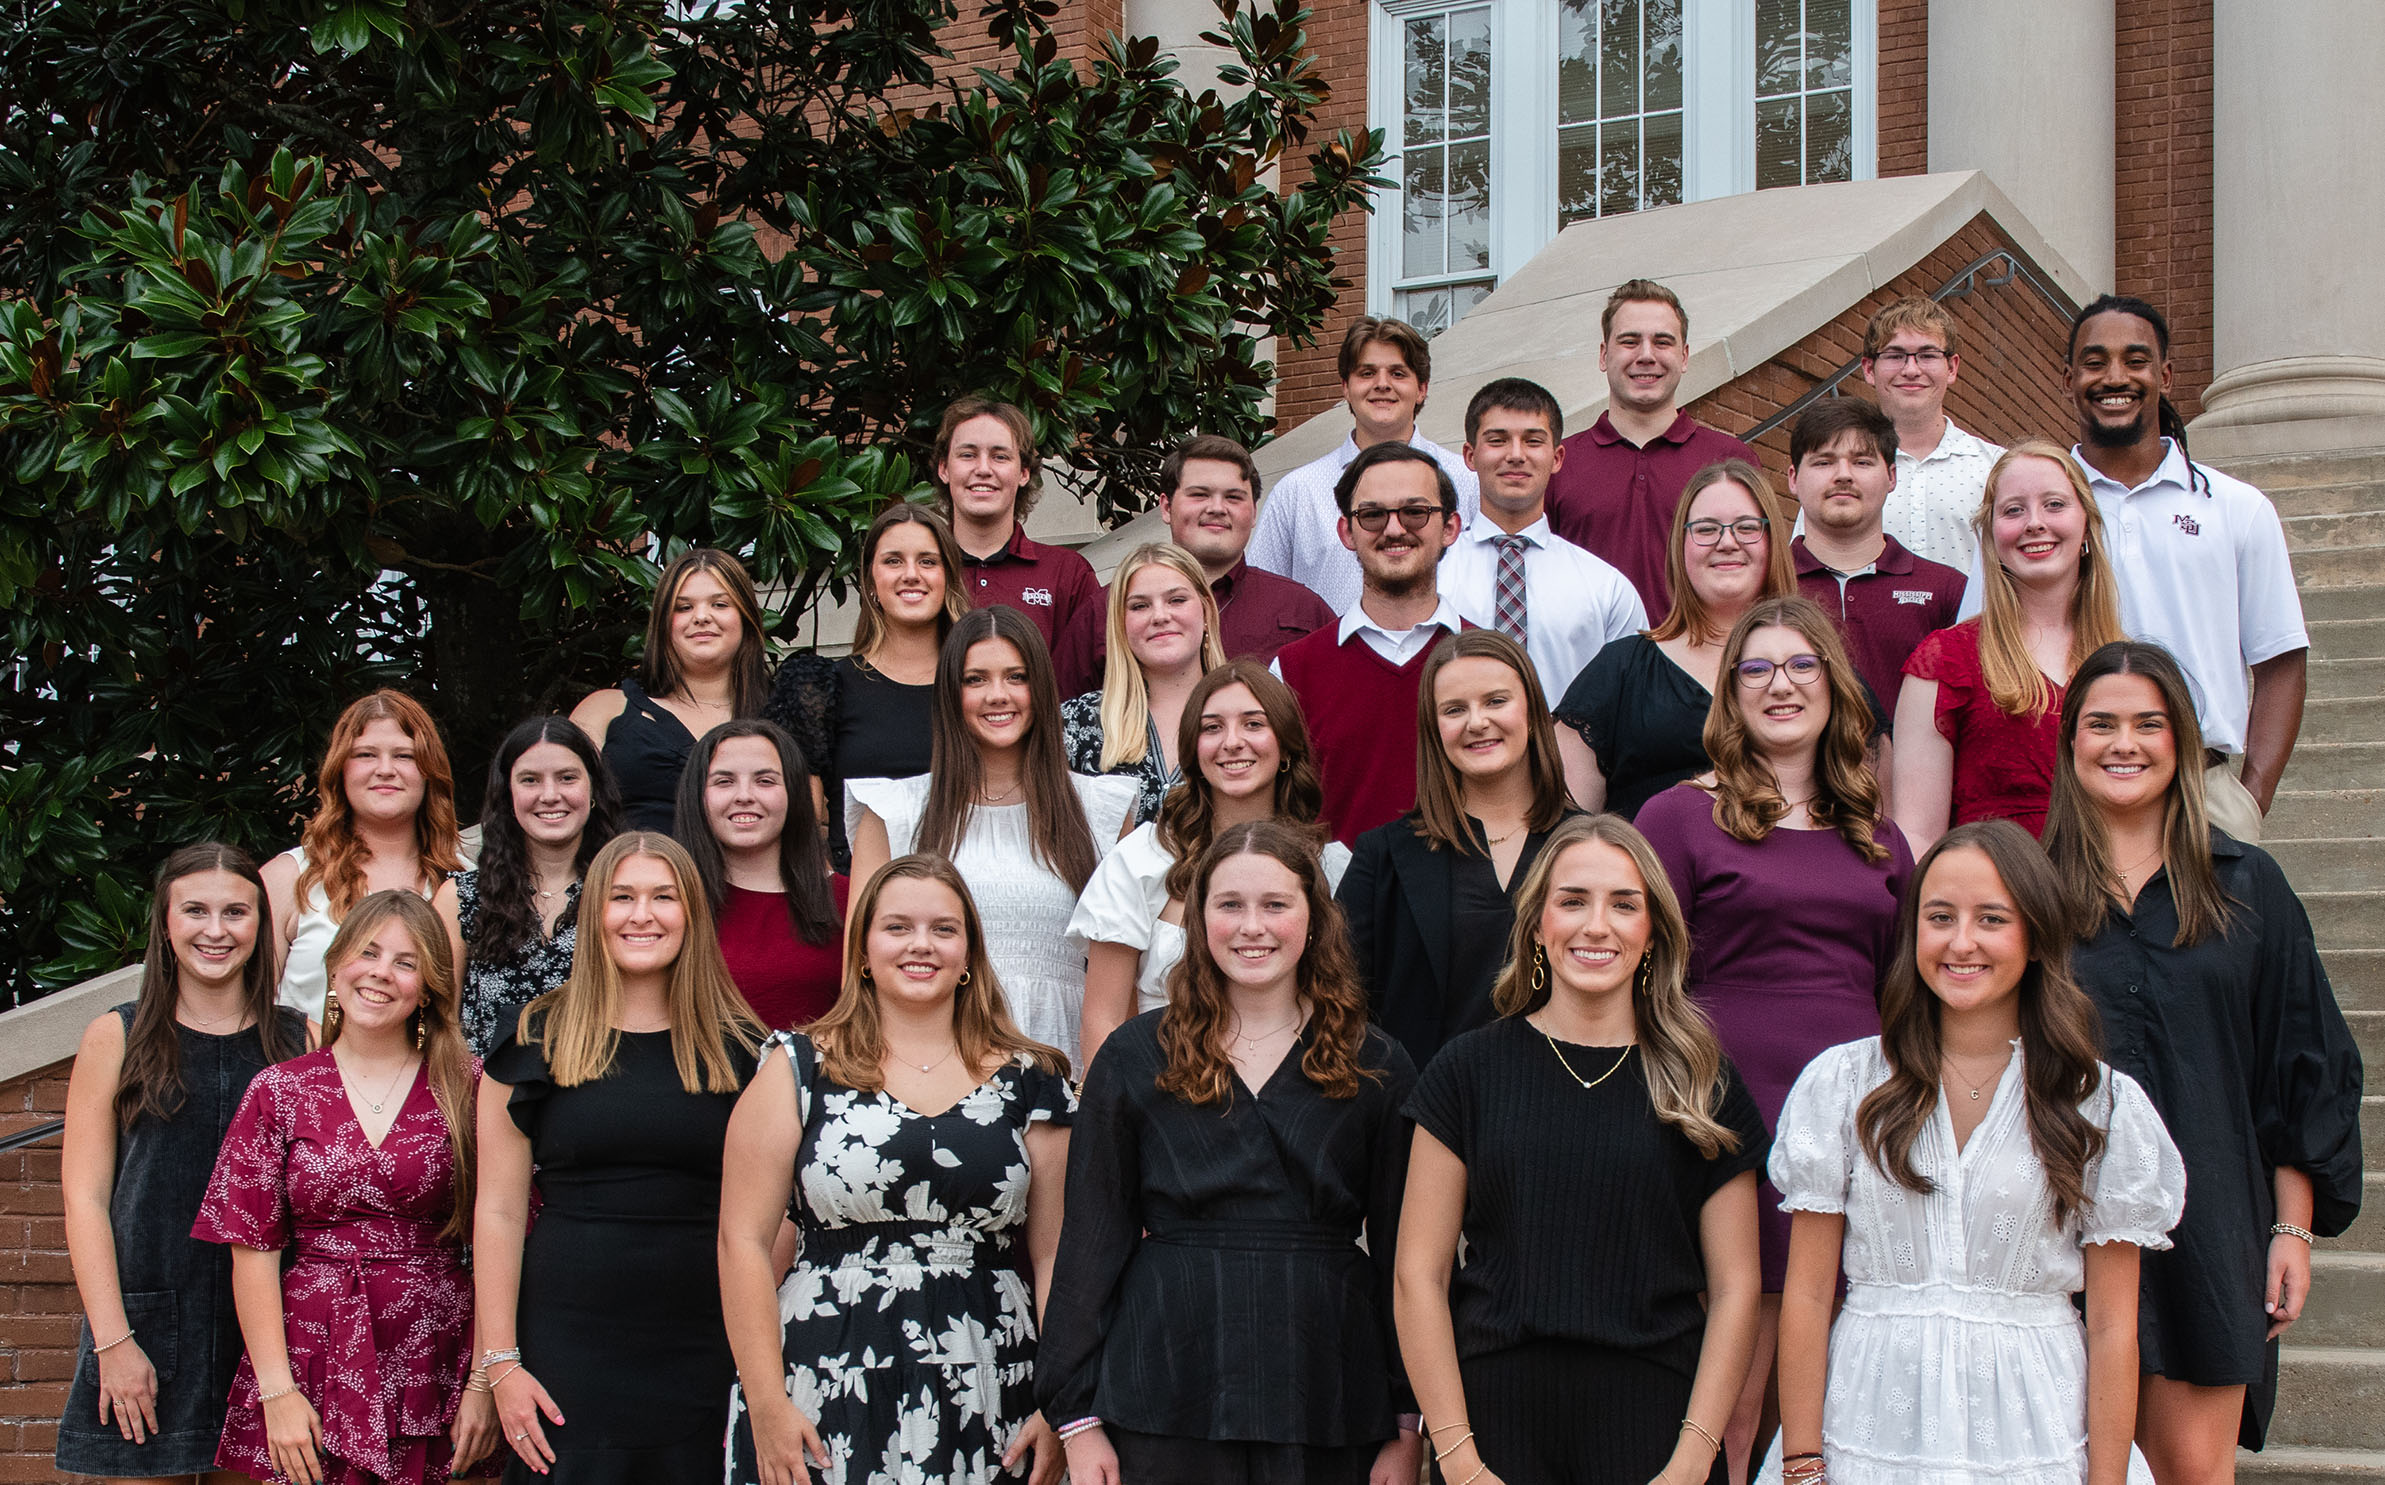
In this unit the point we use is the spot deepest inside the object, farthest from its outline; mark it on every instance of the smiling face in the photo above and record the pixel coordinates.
(1256, 918)
(1383, 393)
(1238, 752)
(918, 941)
(1211, 513)
(645, 919)
(1514, 453)
(384, 782)
(1165, 623)
(2125, 752)
(2037, 525)
(381, 983)
(907, 574)
(2118, 376)
(1843, 485)
(995, 704)
(1485, 724)
(211, 926)
(551, 793)
(1911, 375)
(745, 794)
(1729, 575)
(1643, 356)
(1396, 560)
(1969, 941)
(1784, 716)
(1595, 925)
(705, 624)
(983, 470)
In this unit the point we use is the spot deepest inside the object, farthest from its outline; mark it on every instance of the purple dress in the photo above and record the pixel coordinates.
(1789, 937)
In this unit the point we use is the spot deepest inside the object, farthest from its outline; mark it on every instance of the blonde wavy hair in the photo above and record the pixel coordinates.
(2014, 682)
(1125, 703)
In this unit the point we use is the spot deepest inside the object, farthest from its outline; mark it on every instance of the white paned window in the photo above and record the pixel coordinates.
(1508, 121)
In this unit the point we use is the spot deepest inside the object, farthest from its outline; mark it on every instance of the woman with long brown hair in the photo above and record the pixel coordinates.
(703, 665)
(1597, 1154)
(1212, 1314)
(1001, 805)
(1982, 702)
(1788, 875)
(1971, 1168)
(2202, 962)
(1425, 891)
(601, 1332)
(384, 821)
(923, 1139)
(155, 1084)
(1251, 760)
(345, 1193)
(1162, 638)
(871, 713)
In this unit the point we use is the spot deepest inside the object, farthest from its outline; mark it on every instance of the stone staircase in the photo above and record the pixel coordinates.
(2327, 828)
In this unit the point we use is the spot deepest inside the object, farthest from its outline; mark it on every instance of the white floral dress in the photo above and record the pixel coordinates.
(909, 1314)
(1959, 1355)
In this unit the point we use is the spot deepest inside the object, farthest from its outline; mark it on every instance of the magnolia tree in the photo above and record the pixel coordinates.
(358, 342)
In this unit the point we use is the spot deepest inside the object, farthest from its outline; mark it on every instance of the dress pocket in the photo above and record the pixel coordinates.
(156, 1319)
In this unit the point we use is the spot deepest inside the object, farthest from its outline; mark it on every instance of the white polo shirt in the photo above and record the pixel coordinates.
(2205, 576)
(1931, 507)
(1574, 602)
(1297, 533)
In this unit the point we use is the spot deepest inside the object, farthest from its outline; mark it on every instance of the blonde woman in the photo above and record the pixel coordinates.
(601, 1334)
(1162, 639)
(1597, 1153)
(1980, 714)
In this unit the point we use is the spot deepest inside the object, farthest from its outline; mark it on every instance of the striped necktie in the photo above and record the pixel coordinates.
(1508, 615)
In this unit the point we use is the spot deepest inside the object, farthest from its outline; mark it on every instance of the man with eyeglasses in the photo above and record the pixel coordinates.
(1357, 682)
(1910, 359)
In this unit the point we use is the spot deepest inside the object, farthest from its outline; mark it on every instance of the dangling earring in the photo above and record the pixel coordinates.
(421, 1027)
(331, 1012)
(1647, 969)
(1540, 967)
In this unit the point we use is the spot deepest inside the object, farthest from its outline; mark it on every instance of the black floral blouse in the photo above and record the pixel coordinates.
(1080, 737)
(496, 991)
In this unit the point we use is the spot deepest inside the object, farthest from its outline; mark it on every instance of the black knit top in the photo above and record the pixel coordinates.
(1581, 1206)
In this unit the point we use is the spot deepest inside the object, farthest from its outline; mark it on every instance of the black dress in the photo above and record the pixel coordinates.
(2240, 1045)
(1211, 1304)
(177, 1290)
(619, 1316)
(647, 748)
(852, 722)
(1577, 1310)
(496, 989)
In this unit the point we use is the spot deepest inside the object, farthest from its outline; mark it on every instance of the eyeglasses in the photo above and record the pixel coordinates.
(1757, 674)
(1373, 518)
(1747, 529)
(1928, 358)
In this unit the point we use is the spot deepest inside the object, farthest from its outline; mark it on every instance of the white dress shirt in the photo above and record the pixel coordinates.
(1399, 646)
(1297, 533)
(1574, 602)
(1930, 509)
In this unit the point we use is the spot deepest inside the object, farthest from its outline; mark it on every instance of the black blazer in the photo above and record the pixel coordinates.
(1399, 898)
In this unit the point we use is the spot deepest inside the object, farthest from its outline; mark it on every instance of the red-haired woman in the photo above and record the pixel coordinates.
(1212, 1314)
(384, 822)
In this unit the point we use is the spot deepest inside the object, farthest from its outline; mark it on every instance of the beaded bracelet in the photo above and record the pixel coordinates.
(1067, 1431)
(266, 1397)
(120, 1340)
(491, 1358)
(1441, 1454)
(2288, 1229)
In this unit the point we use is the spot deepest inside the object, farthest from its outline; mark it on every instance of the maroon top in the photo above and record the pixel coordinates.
(1047, 584)
(1885, 612)
(377, 1307)
(1258, 613)
(1361, 713)
(2003, 764)
(1616, 497)
(1789, 937)
(788, 982)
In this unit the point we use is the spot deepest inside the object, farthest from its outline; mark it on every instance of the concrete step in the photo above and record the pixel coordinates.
(2336, 814)
(2368, 1030)
(2358, 978)
(2329, 1397)
(2347, 920)
(2347, 1301)
(2333, 678)
(2342, 498)
(2343, 719)
(2345, 639)
(2328, 865)
(2346, 603)
(2340, 567)
(2293, 471)
(2372, 1140)
(2281, 1464)
(2337, 765)
(2360, 528)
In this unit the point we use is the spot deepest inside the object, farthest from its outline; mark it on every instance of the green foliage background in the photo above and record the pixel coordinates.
(367, 342)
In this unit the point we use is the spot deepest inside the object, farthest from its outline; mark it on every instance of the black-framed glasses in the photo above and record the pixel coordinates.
(1746, 529)
(1756, 674)
(1414, 518)
(1928, 358)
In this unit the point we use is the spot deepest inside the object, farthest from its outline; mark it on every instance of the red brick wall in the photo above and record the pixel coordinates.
(2162, 223)
(2011, 341)
(1904, 119)
(1305, 383)
(40, 1312)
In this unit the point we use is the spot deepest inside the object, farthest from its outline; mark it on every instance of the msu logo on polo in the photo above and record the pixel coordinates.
(1042, 597)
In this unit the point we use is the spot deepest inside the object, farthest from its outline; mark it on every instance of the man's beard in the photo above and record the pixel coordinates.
(2127, 435)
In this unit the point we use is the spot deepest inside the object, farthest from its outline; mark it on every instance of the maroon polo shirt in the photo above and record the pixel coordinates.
(1616, 498)
(1884, 612)
(1047, 584)
(1258, 613)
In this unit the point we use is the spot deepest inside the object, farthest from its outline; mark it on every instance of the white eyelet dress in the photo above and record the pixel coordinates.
(1025, 906)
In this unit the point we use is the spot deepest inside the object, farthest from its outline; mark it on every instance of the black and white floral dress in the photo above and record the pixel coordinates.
(495, 990)
(910, 1311)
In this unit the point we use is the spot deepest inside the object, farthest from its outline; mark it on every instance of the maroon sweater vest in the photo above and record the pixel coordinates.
(1361, 713)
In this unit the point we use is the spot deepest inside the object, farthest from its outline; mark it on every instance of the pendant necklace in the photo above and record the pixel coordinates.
(1562, 1061)
(925, 1067)
(369, 1101)
(1251, 1041)
(1976, 1088)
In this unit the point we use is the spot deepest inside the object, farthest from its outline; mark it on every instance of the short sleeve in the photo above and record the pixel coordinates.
(803, 699)
(1814, 1149)
(248, 1198)
(467, 904)
(1589, 706)
(1738, 1113)
(898, 802)
(1107, 800)
(1441, 1105)
(522, 1066)
(1116, 906)
(2137, 1189)
(1080, 732)
(1941, 657)
(1044, 1096)
(2269, 619)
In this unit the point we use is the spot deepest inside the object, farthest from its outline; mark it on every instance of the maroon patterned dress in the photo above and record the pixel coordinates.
(377, 1308)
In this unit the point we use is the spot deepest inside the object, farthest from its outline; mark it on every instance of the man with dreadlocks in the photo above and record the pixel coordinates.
(2200, 556)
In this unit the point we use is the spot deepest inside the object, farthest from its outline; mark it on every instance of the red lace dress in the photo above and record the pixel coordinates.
(378, 1310)
(2003, 764)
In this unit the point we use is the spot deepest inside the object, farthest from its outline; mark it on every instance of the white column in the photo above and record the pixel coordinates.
(2022, 89)
(2298, 220)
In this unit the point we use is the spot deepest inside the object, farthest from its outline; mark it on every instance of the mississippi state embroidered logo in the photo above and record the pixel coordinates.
(1912, 595)
(1041, 597)
(2186, 523)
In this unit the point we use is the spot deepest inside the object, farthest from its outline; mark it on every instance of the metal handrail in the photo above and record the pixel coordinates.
(1965, 281)
(38, 1134)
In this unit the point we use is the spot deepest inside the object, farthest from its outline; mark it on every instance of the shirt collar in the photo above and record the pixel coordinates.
(2225, 845)
(1894, 559)
(1223, 588)
(1954, 443)
(1356, 619)
(1605, 432)
(2174, 470)
(1484, 530)
(1416, 440)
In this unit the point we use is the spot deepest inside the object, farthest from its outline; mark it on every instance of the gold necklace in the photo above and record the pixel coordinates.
(1587, 1083)
(1251, 1041)
(925, 1067)
(1947, 1058)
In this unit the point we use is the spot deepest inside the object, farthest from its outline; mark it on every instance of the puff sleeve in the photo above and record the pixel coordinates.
(1814, 1148)
(2136, 1189)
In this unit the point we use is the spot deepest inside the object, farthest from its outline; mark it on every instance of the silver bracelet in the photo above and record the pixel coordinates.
(2288, 1229)
(266, 1397)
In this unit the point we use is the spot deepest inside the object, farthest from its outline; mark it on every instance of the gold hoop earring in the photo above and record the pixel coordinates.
(1540, 967)
(964, 977)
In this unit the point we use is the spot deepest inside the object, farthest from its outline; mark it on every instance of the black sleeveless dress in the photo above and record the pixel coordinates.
(647, 748)
(177, 1290)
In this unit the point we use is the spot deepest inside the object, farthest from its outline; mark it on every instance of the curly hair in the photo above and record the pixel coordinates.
(1188, 816)
(1747, 798)
(334, 855)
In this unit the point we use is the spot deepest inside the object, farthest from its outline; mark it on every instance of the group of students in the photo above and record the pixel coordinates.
(1300, 1053)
